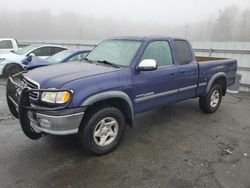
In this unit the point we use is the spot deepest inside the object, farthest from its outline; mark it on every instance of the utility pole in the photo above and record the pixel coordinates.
(186, 30)
(80, 36)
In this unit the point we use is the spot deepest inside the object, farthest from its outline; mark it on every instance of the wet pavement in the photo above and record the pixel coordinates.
(176, 146)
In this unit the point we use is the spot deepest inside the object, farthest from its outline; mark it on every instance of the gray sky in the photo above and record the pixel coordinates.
(162, 11)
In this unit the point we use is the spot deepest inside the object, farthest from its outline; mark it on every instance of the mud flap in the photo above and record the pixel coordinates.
(23, 116)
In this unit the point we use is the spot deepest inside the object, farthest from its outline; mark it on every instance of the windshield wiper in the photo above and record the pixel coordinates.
(108, 63)
(88, 60)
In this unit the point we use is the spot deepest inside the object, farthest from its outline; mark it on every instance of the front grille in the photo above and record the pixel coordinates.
(31, 85)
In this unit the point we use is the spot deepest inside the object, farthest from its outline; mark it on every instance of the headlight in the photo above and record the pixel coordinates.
(56, 97)
(2, 59)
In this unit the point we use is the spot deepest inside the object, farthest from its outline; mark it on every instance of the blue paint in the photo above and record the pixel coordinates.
(32, 62)
(160, 87)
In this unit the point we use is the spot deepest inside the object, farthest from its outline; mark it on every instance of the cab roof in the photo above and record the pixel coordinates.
(146, 38)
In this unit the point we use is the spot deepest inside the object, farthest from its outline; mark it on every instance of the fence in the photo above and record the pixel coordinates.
(236, 50)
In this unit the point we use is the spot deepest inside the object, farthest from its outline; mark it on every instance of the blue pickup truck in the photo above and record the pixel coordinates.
(97, 98)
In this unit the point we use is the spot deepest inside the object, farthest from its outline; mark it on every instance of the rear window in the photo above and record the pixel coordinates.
(6, 44)
(55, 50)
(184, 54)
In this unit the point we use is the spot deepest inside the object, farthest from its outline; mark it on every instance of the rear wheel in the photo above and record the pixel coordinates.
(102, 130)
(211, 102)
(12, 69)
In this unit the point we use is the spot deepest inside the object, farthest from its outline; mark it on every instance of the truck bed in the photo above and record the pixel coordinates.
(209, 66)
(200, 59)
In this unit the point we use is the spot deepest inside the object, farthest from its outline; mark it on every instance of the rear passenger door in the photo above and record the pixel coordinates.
(158, 87)
(188, 70)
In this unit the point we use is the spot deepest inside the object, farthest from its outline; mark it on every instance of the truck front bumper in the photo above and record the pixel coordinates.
(60, 120)
(57, 125)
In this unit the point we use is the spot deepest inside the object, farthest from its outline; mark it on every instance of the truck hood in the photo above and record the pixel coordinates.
(55, 76)
(12, 57)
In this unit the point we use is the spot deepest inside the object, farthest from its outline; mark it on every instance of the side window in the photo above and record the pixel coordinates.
(75, 58)
(159, 51)
(78, 57)
(54, 50)
(6, 44)
(43, 51)
(184, 54)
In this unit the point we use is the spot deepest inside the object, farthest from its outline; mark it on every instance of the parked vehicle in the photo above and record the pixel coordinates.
(8, 45)
(10, 63)
(64, 56)
(121, 77)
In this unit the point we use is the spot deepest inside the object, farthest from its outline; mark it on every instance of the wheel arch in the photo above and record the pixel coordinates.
(218, 78)
(5, 68)
(117, 99)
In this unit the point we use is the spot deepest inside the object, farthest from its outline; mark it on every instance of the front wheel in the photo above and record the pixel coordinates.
(102, 130)
(211, 102)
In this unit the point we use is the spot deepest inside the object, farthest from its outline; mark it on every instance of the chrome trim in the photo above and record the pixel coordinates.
(187, 88)
(67, 132)
(35, 83)
(59, 125)
(63, 116)
(142, 99)
(171, 92)
(203, 84)
(147, 65)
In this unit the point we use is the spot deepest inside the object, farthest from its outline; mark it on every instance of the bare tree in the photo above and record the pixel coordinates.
(245, 26)
(223, 29)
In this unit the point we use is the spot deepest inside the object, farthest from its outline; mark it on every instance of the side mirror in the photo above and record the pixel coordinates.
(147, 65)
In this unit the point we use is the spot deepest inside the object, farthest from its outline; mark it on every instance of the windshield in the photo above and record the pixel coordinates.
(25, 50)
(59, 56)
(119, 52)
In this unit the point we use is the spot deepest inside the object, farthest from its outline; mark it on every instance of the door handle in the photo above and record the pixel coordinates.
(173, 73)
(183, 72)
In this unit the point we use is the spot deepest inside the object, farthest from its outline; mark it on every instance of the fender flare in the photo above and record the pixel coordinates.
(110, 95)
(213, 78)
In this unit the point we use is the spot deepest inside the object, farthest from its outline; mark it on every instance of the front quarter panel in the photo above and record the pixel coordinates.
(89, 86)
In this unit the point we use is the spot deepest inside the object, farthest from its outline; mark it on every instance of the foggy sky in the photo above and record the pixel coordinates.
(159, 11)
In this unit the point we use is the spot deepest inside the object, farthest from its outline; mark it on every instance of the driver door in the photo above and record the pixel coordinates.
(157, 87)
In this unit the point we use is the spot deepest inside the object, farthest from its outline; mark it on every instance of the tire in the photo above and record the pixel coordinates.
(102, 130)
(12, 69)
(211, 102)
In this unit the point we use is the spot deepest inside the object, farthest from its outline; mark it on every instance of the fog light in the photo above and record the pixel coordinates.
(44, 122)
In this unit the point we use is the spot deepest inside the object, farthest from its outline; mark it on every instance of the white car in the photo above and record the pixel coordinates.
(8, 45)
(10, 63)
